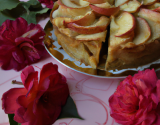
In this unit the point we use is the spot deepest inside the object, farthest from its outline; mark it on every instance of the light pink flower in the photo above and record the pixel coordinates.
(20, 44)
(37, 103)
(136, 100)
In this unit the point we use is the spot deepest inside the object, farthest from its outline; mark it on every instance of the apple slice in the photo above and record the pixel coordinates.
(66, 11)
(96, 1)
(97, 27)
(97, 36)
(147, 2)
(153, 6)
(126, 23)
(118, 41)
(59, 21)
(153, 19)
(131, 6)
(73, 3)
(142, 31)
(81, 20)
(120, 2)
(105, 9)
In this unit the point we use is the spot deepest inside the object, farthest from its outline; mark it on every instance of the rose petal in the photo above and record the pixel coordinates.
(19, 115)
(36, 36)
(29, 116)
(18, 55)
(30, 52)
(148, 76)
(30, 79)
(20, 40)
(21, 24)
(47, 70)
(60, 95)
(9, 103)
(12, 64)
(8, 32)
(25, 73)
(149, 118)
(158, 89)
(47, 112)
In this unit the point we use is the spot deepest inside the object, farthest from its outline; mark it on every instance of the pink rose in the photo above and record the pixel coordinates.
(136, 100)
(20, 44)
(37, 103)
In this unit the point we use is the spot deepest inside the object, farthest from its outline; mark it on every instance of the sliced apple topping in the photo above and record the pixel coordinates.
(66, 10)
(81, 20)
(97, 27)
(96, 1)
(73, 3)
(147, 2)
(97, 36)
(117, 41)
(120, 2)
(126, 23)
(142, 32)
(131, 6)
(105, 9)
(153, 19)
(153, 6)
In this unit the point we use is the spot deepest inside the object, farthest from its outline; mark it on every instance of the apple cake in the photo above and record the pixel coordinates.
(131, 29)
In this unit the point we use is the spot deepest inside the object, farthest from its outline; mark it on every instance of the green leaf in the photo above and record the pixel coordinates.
(4, 16)
(69, 110)
(11, 121)
(42, 11)
(23, 10)
(8, 4)
(33, 2)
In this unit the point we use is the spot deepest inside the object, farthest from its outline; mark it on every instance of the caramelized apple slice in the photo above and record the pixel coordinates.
(105, 9)
(142, 32)
(153, 19)
(131, 6)
(126, 23)
(81, 20)
(97, 27)
(120, 2)
(97, 36)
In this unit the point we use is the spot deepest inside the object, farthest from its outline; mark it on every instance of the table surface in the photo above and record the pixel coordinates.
(90, 94)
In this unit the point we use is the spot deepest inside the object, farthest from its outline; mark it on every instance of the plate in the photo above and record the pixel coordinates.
(56, 51)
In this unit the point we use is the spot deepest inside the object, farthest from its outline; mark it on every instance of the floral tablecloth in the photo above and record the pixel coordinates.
(90, 94)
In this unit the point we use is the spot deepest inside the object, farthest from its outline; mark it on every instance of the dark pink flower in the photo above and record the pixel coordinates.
(20, 44)
(136, 100)
(39, 103)
(48, 3)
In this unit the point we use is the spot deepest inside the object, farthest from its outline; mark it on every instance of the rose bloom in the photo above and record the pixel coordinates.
(136, 100)
(37, 103)
(20, 44)
(48, 3)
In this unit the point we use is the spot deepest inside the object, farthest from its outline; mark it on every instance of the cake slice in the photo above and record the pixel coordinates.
(80, 33)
